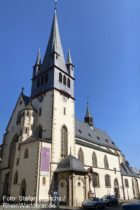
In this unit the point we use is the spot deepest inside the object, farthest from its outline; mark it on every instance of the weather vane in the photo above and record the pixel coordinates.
(55, 5)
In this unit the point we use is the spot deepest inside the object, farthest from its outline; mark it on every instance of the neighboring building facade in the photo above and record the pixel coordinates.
(45, 149)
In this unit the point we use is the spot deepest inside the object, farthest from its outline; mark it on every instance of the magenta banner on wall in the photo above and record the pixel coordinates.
(45, 159)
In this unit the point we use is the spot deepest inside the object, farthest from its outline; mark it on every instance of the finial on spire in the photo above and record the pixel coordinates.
(55, 8)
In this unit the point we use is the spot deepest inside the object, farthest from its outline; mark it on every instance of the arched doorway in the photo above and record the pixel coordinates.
(23, 188)
(79, 192)
(116, 188)
(63, 190)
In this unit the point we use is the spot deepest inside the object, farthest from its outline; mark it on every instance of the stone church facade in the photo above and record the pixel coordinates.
(45, 149)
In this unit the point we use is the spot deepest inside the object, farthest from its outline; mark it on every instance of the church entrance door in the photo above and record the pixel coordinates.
(63, 190)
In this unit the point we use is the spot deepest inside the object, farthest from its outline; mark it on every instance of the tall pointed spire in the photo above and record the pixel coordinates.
(37, 66)
(54, 54)
(88, 117)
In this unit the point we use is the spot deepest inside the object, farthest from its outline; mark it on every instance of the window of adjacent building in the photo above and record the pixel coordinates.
(81, 155)
(126, 183)
(107, 181)
(40, 111)
(106, 165)
(26, 153)
(38, 82)
(94, 160)
(68, 82)
(15, 178)
(64, 80)
(44, 180)
(60, 77)
(64, 142)
(95, 180)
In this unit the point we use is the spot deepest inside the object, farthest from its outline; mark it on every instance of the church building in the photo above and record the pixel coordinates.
(45, 149)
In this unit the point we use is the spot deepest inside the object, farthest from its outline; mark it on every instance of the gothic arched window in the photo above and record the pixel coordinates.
(94, 160)
(81, 155)
(64, 80)
(126, 183)
(15, 178)
(39, 131)
(95, 180)
(107, 181)
(64, 142)
(106, 165)
(68, 82)
(60, 77)
(26, 153)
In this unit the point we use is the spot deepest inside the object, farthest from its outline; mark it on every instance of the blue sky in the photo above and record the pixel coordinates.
(104, 38)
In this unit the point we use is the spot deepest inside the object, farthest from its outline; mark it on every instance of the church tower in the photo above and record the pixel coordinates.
(53, 93)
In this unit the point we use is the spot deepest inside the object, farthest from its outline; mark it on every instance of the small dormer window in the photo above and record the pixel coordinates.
(56, 56)
(80, 131)
(106, 140)
(89, 135)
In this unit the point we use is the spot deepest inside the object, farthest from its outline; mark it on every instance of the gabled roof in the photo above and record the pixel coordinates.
(93, 135)
(70, 163)
(127, 170)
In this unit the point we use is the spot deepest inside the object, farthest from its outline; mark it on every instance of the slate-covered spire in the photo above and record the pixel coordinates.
(37, 65)
(88, 117)
(54, 54)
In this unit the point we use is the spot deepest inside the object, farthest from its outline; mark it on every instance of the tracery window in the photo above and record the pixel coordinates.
(81, 155)
(106, 165)
(107, 181)
(64, 142)
(126, 183)
(95, 180)
(94, 160)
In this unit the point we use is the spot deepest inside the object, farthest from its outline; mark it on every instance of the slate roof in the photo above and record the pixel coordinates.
(93, 135)
(127, 170)
(70, 163)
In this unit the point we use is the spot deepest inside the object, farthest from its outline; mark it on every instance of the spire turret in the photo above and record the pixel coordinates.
(37, 65)
(69, 64)
(88, 117)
